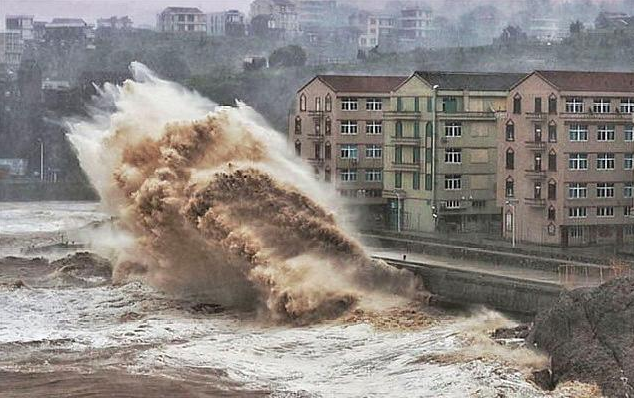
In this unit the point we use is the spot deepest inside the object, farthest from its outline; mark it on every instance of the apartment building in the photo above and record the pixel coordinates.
(565, 175)
(415, 25)
(19, 30)
(226, 23)
(441, 152)
(377, 30)
(337, 126)
(181, 20)
(281, 15)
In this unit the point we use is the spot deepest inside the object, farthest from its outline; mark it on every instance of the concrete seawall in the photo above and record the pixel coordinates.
(499, 292)
(40, 191)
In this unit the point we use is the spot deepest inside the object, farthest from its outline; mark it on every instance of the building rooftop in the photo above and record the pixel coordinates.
(66, 22)
(589, 81)
(471, 80)
(183, 10)
(361, 84)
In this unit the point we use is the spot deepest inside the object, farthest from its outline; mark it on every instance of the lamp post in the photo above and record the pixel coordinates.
(433, 151)
(41, 159)
(512, 206)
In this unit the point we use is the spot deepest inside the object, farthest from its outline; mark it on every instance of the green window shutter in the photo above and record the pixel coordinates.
(398, 155)
(429, 130)
(416, 129)
(416, 180)
(416, 105)
(428, 182)
(428, 155)
(399, 104)
(398, 180)
(429, 104)
(416, 156)
(399, 129)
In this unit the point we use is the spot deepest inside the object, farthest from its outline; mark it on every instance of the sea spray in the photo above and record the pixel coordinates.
(217, 208)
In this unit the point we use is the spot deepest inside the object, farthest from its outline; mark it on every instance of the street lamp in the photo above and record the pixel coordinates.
(433, 147)
(512, 206)
(41, 159)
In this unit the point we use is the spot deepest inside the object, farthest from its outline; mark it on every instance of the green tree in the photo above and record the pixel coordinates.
(291, 55)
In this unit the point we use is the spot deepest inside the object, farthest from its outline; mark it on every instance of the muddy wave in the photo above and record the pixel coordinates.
(216, 208)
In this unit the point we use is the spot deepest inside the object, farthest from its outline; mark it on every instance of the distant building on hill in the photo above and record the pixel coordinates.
(181, 20)
(114, 22)
(226, 23)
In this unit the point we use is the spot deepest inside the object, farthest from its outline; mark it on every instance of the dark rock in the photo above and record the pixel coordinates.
(589, 334)
(544, 379)
(518, 332)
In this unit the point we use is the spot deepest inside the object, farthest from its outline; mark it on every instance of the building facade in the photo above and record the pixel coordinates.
(337, 126)
(115, 23)
(226, 23)
(565, 175)
(19, 30)
(281, 16)
(447, 182)
(181, 20)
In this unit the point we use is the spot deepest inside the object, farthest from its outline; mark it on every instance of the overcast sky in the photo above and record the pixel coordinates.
(141, 11)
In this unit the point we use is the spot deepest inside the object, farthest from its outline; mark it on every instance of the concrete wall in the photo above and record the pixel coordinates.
(36, 191)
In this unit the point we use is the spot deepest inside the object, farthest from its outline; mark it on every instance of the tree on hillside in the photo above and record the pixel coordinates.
(291, 55)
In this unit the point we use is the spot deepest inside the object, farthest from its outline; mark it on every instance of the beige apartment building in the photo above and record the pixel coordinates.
(337, 126)
(446, 183)
(565, 175)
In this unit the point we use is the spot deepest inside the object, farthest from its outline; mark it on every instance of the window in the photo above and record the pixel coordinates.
(449, 104)
(628, 131)
(298, 125)
(552, 161)
(416, 130)
(452, 204)
(317, 150)
(373, 104)
(327, 174)
(453, 182)
(538, 105)
(552, 132)
(510, 131)
(605, 211)
(349, 151)
(298, 148)
(537, 190)
(628, 190)
(302, 103)
(629, 212)
(578, 132)
(453, 155)
(327, 150)
(373, 151)
(575, 231)
(574, 105)
(348, 175)
(509, 189)
(374, 127)
(552, 190)
(537, 133)
(453, 129)
(399, 129)
(318, 104)
(578, 161)
(398, 179)
(628, 161)
(349, 127)
(605, 190)
(328, 126)
(517, 104)
(551, 213)
(552, 104)
(627, 105)
(605, 133)
(601, 105)
(373, 175)
(349, 104)
(510, 159)
(479, 204)
(398, 154)
(328, 103)
(605, 161)
(577, 212)
(416, 154)
(416, 180)
(317, 127)
(399, 104)
(428, 180)
(577, 190)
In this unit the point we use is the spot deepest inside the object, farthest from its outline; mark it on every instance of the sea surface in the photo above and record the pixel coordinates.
(81, 336)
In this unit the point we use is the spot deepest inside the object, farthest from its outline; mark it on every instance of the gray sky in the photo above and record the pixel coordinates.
(141, 11)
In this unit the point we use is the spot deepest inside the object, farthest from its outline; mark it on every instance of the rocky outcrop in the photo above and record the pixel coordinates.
(589, 334)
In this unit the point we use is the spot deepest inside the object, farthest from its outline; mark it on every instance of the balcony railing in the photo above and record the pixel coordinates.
(536, 174)
(535, 202)
(402, 114)
(405, 140)
(467, 115)
(535, 145)
(612, 116)
(406, 166)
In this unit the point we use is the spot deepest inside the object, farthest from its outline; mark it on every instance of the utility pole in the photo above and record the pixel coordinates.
(433, 156)
(398, 211)
(41, 159)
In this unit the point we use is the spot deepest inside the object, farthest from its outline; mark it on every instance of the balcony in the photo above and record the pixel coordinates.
(406, 140)
(536, 116)
(536, 174)
(405, 166)
(535, 145)
(535, 202)
(466, 115)
(605, 117)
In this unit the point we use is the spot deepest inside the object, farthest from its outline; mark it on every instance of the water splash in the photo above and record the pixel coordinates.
(218, 208)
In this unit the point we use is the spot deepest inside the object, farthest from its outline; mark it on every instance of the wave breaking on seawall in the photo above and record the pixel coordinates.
(215, 207)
